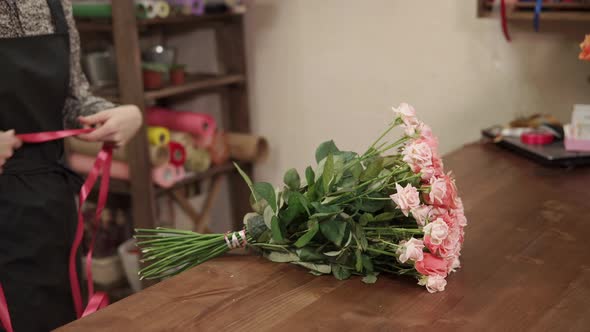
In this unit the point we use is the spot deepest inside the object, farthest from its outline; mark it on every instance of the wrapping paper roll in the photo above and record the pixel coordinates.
(158, 136)
(246, 147)
(164, 176)
(177, 154)
(219, 150)
(159, 155)
(197, 160)
(162, 9)
(200, 125)
(148, 7)
(185, 139)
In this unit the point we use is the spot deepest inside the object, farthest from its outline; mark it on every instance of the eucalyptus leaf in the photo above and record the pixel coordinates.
(308, 254)
(367, 263)
(326, 148)
(340, 272)
(268, 214)
(334, 230)
(266, 191)
(309, 176)
(281, 257)
(358, 261)
(313, 227)
(333, 253)
(385, 216)
(370, 278)
(255, 225)
(366, 218)
(328, 174)
(292, 179)
(321, 268)
(277, 231)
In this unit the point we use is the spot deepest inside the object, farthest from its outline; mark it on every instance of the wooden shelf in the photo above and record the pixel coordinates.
(105, 25)
(574, 12)
(194, 83)
(124, 187)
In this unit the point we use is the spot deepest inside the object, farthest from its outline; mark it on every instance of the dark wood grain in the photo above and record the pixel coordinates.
(525, 268)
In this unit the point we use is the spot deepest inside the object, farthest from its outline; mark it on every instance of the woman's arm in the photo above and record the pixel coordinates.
(117, 124)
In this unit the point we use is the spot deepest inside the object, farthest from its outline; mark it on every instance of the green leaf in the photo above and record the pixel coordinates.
(312, 229)
(245, 177)
(319, 268)
(303, 201)
(281, 257)
(360, 236)
(356, 169)
(370, 205)
(373, 169)
(334, 230)
(255, 225)
(385, 216)
(368, 263)
(309, 176)
(266, 191)
(324, 150)
(340, 272)
(294, 209)
(268, 214)
(333, 253)
(370, 278)
(358, 260)
(277, 232)
(328, 174)
(366, 218)
(307, 254)
(292, 179)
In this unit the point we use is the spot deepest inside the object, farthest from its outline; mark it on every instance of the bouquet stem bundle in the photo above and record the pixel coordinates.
(390, 210)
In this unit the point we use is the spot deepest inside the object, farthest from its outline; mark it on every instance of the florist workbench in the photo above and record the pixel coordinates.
(526, 266)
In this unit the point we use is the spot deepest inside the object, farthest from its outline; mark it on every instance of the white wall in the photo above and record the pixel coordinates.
(321, 69)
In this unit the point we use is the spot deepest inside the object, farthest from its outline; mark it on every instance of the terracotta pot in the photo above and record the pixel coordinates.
(152, 79)
(177, 76)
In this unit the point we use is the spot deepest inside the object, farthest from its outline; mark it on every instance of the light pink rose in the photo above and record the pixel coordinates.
(438, 231)
(406, 198)
(434, 283)
(453, 263)
(408, 116)
(451, 244)
(433, 248)
(427, 172)
(417, 155)
(410, 250)
(438, 191)
(459, 217)
(422, 214)
(431, 265)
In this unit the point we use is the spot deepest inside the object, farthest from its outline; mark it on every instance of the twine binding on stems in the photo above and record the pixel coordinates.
(234, 243)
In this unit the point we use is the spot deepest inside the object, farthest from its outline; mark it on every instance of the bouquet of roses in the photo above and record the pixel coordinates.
(390, 210)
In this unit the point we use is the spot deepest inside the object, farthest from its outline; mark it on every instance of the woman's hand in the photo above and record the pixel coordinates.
(8, 143)
(116, 125)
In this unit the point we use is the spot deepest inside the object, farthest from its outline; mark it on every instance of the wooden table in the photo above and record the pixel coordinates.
(526, 266)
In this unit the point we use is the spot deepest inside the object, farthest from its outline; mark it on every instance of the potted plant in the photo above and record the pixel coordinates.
(153, 75)
(177, 74)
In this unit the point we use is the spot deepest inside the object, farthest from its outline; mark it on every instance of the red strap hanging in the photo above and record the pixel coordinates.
(102, 167)
(504, 21)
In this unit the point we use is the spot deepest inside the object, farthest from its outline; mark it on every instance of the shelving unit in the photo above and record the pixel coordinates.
(563, 11)
(230, 84)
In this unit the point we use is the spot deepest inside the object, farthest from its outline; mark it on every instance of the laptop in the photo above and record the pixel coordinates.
(553, 154)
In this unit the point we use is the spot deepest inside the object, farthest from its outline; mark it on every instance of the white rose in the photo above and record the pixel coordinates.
(410, 250)
(437, 230)
(433, 283)
(408, 116)
(406, 198)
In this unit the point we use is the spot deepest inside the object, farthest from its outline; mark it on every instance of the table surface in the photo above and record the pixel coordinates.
(526, 266)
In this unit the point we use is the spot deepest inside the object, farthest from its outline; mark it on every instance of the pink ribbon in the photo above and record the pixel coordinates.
(102, 166)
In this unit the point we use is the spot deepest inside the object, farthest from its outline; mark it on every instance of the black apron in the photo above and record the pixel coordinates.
(37, 201)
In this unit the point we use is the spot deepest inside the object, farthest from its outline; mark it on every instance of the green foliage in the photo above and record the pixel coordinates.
(324, 150)
(292, 179)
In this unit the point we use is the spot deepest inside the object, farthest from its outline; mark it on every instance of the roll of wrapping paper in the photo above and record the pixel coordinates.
(245, 147)
(177, 154)
(185, 139)
(162, 9)
(197, 160)
(201, 126)
(148, 7)
(159, 155)
(219, 150)
(158, 136)
(179, 173)
(164, 176)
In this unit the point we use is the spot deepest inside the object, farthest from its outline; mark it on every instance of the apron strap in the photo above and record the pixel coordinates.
(59, 18)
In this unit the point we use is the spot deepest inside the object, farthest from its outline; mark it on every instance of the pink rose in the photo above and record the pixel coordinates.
(451, 245)
(408, 116)
(433, 248)
(431, 265)
(438, 191)
(453, 263)
(406, 198)
(421, 214)
(434, 283)
(459, 217)
(427, 172)
(410, 250)
(437, 231)
(417, 155)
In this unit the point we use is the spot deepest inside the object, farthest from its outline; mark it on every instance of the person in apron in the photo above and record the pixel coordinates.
(37, 193)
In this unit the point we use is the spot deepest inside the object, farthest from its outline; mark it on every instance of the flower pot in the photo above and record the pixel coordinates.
(152, 79)
(177, 76)
(130, 258)
(106, 271)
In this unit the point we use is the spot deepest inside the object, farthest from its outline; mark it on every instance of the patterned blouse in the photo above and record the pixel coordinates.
(32, 17)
